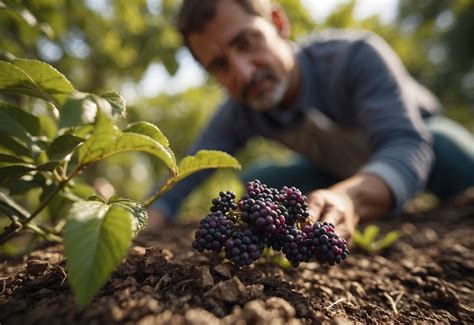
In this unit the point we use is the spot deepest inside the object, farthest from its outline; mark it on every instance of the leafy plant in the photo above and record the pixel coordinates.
(42, 154)
(368, 241)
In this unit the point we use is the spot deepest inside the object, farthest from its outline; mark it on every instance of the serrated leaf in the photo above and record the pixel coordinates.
(205, 159)
(34, 78)
(387, 240)
(140, 215)
(150, 130)
(108, 140)
(63, 146)
(96, 239)
(119, 105)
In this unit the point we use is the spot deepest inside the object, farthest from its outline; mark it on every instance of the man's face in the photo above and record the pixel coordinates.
(247, 54)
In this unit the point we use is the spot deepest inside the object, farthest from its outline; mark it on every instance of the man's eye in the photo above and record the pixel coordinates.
(218, 66)
(247, 43)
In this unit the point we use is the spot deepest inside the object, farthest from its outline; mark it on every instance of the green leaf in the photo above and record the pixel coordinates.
(79, 109)
(140, 215)
(34, 78)
(388, 240)
(60, 205)
(21, 11)
(205, 159)
(370, 234)
(12, 146)
(6, 56)
(119, 105)
(97, 198)
(21, 186)
(359, 240)
(82, 190)
(17, 122)
(49, 166)
(63, 146)
(12, 172)
(96, 238)
(12, 159)
(149, 130)
(10, 208)
(108, 140)
(48, 126)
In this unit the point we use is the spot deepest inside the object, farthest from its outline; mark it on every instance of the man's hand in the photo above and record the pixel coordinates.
(362, 197)
(336, 208)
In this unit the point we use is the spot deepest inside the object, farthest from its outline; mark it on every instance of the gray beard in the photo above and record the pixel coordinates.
(268, 99)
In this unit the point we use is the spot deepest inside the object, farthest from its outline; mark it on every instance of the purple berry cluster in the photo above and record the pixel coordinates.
(267, 217)
(244, 247)
(213, 232)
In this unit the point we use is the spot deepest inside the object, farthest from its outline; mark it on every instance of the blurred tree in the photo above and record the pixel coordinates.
(443, 33)
(97, 44)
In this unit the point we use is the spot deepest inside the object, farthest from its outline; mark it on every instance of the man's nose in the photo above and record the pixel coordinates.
(242, 71)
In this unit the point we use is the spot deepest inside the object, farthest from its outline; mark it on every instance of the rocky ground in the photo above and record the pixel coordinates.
(428, 275)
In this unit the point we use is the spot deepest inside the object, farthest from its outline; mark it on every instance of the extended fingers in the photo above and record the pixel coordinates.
(332, 215)
(316, 205)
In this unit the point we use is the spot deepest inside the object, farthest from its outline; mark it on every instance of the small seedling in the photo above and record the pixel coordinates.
(368, 241)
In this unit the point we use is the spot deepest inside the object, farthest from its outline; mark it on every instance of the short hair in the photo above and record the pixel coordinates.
(195, 14)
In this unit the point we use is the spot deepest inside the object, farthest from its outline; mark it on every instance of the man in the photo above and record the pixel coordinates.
(368, 132)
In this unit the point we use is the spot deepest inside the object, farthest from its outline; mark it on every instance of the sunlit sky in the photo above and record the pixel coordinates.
(156, 80)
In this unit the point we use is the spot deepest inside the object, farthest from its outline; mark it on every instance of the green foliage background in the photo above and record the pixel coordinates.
(102, 45)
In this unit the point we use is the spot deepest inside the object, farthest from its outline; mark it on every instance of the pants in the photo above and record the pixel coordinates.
(451, 174)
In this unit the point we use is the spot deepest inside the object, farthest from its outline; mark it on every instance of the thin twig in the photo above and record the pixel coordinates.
(399, 297)
(163, 278)
(45, 233)
(64, 273)
(336, 302)
(14, 228)
(4, 285)
(392, 302)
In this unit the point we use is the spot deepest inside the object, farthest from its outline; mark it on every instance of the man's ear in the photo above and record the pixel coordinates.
(281, 21)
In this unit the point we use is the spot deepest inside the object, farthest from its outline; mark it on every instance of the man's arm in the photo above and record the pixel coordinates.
(386, 109)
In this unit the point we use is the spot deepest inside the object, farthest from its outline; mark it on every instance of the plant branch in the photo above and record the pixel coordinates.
(15, 227)
(60, 186)
(44, 232)
(165, 188)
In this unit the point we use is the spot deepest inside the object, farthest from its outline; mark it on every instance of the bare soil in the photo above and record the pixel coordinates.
(427, 276)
